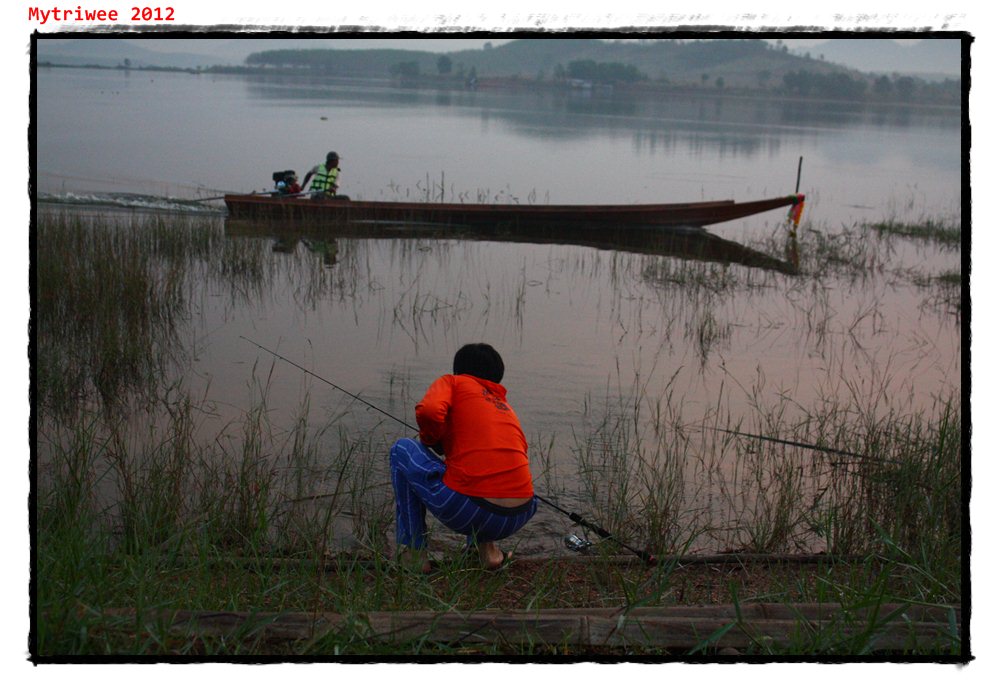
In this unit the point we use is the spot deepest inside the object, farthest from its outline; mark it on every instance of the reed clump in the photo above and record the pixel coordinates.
(633, 470)
(849, 478)
(109, 297)
(887, 485)
(942, 232)
(119, 500)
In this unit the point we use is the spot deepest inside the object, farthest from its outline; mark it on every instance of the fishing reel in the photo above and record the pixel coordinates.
(577, 544)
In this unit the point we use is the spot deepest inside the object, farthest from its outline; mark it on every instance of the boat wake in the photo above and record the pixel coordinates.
(125, 200)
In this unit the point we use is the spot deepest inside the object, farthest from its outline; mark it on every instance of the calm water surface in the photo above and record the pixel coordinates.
(174, 134)
(583, 331)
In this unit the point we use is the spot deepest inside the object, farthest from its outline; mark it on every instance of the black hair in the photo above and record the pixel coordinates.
(479, 360)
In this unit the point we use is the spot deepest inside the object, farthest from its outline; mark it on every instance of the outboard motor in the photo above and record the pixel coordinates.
(281, 180)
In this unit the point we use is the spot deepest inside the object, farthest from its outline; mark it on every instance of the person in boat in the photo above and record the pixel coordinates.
(482, 488)
(324, 177)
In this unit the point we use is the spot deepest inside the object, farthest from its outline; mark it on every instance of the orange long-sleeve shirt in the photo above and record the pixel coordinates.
(486, 454)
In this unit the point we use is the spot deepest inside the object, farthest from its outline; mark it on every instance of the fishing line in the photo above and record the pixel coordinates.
(327, 381)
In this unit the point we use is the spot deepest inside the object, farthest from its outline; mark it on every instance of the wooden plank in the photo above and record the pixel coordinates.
(761, 627)
(642, 632)
(733, 559)
(763, 634)
(793, 611)
(348, 561)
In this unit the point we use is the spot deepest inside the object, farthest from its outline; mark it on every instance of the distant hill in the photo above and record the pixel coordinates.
(883, 55)
(748, 63)
(191, 52)
(741, 62)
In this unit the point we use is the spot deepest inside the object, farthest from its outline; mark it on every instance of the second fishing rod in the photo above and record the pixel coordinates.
(645, 556)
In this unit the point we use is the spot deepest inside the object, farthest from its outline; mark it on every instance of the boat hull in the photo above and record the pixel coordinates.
(258, 207)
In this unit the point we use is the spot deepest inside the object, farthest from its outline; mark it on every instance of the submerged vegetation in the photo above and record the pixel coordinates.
(945, 233)
(150, 498)
(109, 298)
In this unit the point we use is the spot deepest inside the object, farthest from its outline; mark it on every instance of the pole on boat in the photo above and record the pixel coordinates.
(647, 558)
(212, 199)
(253, 194)
(223, 196)
(794, 214)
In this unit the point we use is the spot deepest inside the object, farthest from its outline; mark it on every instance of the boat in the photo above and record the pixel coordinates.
(341, 209)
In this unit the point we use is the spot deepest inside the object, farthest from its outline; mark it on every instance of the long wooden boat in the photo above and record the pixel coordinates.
(699, 214)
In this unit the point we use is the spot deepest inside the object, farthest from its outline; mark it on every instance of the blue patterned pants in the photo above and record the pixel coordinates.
(417, 479)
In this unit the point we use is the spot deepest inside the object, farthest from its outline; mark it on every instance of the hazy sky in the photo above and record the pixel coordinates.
(432, 44)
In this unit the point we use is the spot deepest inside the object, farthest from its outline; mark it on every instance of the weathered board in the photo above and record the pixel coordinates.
(334, 563)
(759, 627)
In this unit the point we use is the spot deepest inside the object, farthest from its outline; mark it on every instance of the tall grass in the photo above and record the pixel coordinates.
(437, 189)
(109, 296)
(894, 490)
(633, 463)
(137, 507)
(114, 494)
(899, 491)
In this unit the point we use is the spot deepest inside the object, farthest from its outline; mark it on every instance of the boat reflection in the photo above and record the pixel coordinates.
(683, 242)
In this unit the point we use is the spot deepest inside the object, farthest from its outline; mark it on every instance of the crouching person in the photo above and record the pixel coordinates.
(482, 488)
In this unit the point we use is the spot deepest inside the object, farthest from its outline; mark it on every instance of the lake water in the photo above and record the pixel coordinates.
(174, 134)
(583, 331)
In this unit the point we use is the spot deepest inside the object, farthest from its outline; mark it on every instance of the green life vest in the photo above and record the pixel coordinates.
(325, 180)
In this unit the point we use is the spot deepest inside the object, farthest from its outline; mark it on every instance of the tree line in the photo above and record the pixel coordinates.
(717, 56)
(843, 86)
(600, 72)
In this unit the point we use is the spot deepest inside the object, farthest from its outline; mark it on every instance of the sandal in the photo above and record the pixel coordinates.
(505, 562)
(472, 552)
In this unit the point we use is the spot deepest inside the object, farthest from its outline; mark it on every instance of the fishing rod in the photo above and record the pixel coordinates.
(803, 445)
(646, 557)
